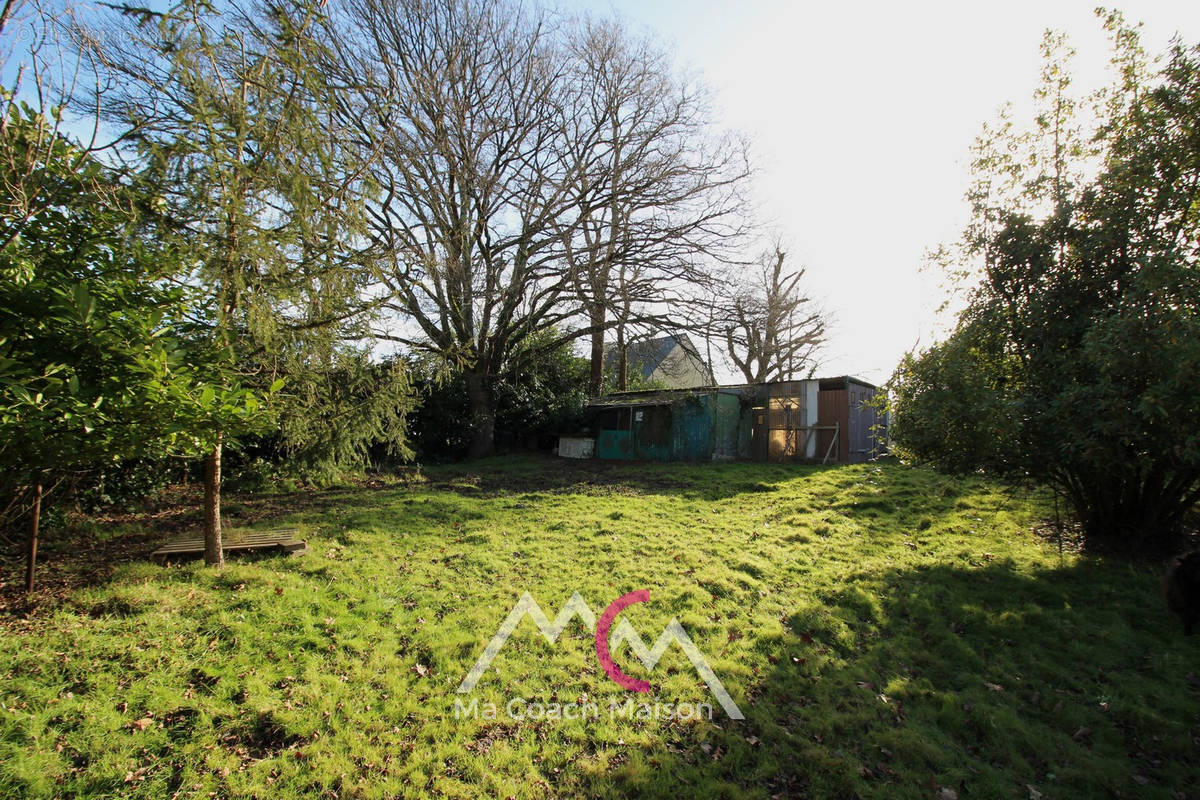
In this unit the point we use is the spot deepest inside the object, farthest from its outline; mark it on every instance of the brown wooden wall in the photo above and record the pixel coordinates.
(833, 407)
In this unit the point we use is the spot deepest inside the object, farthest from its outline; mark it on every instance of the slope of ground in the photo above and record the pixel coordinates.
(888, 632)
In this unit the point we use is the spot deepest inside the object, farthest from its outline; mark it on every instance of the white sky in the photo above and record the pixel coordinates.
(862, 115)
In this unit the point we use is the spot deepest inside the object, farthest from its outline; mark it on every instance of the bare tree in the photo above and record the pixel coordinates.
(771, 329)
(510, 182)
(673, 186)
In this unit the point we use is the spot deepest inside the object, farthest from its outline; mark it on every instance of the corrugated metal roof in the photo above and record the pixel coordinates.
(656, 397)
(662, 396)
(845, 380)
(651, 398)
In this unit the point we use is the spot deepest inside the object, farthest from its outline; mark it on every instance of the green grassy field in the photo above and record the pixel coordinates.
(887, 631)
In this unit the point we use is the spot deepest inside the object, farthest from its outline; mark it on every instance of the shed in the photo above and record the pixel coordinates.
(672, 425)
(823, 420)
(845, 403)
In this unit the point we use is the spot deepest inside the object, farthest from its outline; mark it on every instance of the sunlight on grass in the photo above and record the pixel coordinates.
(886, 631)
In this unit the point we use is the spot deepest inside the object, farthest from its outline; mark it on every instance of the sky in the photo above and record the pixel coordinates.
(862, 116)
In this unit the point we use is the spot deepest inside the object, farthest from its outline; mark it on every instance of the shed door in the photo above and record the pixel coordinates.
(833, 410)
(760, 434)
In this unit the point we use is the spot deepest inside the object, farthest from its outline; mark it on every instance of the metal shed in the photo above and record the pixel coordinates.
(679, 425)
(845, 403)
(826, 420)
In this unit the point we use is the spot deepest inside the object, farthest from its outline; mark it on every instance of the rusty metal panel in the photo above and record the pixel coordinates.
(833, 407)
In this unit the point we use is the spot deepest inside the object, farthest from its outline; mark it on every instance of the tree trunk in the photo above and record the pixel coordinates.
(483, 417)
(622, 361)
(214, 555)
(31, 555)
(1122, 516)
(596, 382)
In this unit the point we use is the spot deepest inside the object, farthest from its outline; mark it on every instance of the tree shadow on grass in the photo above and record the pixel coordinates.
(1071, 682)
(531, 474)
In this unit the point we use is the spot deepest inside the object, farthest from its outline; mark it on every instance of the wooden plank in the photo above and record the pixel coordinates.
(281, 539)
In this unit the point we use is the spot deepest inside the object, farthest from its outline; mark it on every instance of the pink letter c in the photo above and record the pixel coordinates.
(602, 628)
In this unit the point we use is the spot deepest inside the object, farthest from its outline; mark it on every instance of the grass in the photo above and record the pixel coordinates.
(887, 631)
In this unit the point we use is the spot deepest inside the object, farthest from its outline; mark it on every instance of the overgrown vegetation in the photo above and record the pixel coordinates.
(1077, 360)
(889, 632)
(539, 395)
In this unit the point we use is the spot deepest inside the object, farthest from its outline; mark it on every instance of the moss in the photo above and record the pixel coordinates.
(885, 630)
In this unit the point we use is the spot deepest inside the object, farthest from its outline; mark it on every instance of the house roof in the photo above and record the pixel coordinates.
(648, 354)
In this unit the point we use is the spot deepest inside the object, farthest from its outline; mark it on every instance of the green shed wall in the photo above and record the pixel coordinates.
(694, 428)
(691, 429)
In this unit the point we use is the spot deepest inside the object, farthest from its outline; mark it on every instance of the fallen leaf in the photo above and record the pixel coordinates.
(143, 723)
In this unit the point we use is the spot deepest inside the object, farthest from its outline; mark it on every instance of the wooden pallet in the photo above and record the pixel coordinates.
(282, 539)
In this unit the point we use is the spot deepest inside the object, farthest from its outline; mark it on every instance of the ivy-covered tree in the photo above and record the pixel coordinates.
(535, 176)
(539, 392)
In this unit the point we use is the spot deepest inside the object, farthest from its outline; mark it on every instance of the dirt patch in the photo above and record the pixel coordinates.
(69, 562)
(73, 559)
(260, 736)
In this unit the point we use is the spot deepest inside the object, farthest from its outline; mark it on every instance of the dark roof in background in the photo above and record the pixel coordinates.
(648, 354)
